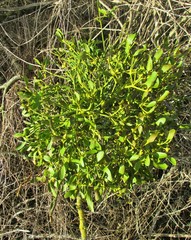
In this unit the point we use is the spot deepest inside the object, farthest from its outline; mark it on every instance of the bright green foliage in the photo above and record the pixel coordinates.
(104, 119)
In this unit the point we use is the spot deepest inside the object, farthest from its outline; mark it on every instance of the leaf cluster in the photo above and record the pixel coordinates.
(104, 119)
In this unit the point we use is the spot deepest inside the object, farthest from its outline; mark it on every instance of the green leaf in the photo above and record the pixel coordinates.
(103, 12)
(74, 160)
(151, 79)
(91, 84)
(147, 161)
(162, 166)
(166, 67)
(151, 110)
(134, 180)
(92, 144)
(134, 157)
(46, 158)
(91, 152)
(149, 64)
(121, 139)
(37, 61)
(62, 151)
(100, 155)
(161, 155)
(62, 172)
(140, 129)
(122, 169)
(67, 123)
(139, 51)
(145, 94)
(137, 166)
(129, 42)
(25, 113)
(125, 177)
(172, 160)
(41, 179)
(130, 38)
(77, 96)
(152, 138)
(50, 144)
(21, 146)
(89, 202)
(97, 195)
(51, 171)
(87, 48)
(158, 54)
(90, 122)
(163, 96)
(80, 162)
(18, 135)
(177, 51)
(157, 82)
(151, 104)
(72, 187)
(161, 121)
(185, 126)
(59, 34)
(69, 194)
(33, 156)
(108, 172)
(79, 78)
(170, 136)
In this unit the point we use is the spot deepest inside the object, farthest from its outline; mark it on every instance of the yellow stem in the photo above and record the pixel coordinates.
(82, 226)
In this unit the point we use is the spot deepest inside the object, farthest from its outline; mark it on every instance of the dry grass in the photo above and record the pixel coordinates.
(158, 210)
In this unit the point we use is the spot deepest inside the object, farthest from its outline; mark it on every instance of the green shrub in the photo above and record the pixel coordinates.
(101, 119)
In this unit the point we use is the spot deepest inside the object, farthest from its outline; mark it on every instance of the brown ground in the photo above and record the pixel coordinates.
(158, 210)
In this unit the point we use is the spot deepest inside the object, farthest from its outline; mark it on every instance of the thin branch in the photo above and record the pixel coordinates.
(177, 236)
(51, 236)
(11, 53)
(11, 81)
(13, 231)
(5, 87)
(26, 7)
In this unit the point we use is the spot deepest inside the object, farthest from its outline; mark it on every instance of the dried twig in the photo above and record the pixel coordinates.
(177, 236)
(25, 7)
(13, 231)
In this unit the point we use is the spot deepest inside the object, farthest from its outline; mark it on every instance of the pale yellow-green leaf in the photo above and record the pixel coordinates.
(166, 67)
(152, 138)
(147, 161)
(161, 155)
(161, 121)
(134, 157)
(62, 172)
(173, 161)
(122, 169)
(158, 54)
(163, 96)
(151, 104)
(151, 79)
(170, 136)
(149, 64)
(90, 202)
(100, 155)
(108, 172)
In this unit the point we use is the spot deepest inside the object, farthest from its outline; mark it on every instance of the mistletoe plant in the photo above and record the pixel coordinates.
(101, 119)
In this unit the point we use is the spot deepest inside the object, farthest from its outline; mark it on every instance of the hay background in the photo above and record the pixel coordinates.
(158, 210)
